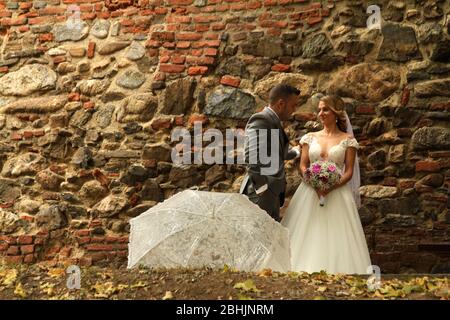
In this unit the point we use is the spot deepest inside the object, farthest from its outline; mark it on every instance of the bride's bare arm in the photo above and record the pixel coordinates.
(350, 155)
(304, 160)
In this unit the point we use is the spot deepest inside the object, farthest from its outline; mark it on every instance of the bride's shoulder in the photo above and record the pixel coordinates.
(306, 138)
(350, 141)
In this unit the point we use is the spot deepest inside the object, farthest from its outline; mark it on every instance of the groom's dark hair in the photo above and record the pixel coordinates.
(282, 91)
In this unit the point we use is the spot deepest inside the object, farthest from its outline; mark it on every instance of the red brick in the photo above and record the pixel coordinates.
(163, 36)
(41, 20)
(161, 11)
(178, 19)
(427, 166)
(171, 68)
(104, 15)
(153, 44)
(237, 6)
(111, 239)
(200, 60)
(161, 123)
(439, 154)
(180, 2)
(95, 223)
(206, 19)
(13, 21)
(16, 136)
(83, 240)
(126, 22)
(27, 218)
(52, 11)
(405, 96)
(99, 239)
(82, 233)
(7, 205)
(183, 44)
(88, 16)
(210, 52)
(39, 133)
(100, 247)
(5, 14)
(164, 59)
(89, 105)
(28, 134)
(74, 96)
(230, 81)
(101, 177)
(189, 36)
(46, 37)
(87, 8)
(254, 5)
(7, 239)
(201, 28)
(314, 20)
(198, 118)
(91, 49)
(24, 29)
(27, 249)
(24, 239)
(169, 45)
(177, 59)
(193, 71)
(268, 3)
(13, 250)
(281, 67)
(179, 120)
(440, 106)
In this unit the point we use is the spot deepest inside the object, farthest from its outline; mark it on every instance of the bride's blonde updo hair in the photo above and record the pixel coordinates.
(337, 105)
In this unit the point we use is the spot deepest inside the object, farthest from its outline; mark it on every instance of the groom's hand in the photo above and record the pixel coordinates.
(298, 150)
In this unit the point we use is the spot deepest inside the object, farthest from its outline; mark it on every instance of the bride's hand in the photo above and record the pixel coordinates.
(320, 193)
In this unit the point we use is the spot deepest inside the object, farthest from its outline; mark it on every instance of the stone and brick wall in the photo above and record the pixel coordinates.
(87, 106)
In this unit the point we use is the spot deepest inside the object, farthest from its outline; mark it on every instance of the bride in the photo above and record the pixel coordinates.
(328, 237)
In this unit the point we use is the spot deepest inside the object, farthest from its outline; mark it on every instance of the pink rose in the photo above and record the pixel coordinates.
(316, 168)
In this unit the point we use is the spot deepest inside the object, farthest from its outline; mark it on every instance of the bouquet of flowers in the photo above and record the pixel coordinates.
(322, 175)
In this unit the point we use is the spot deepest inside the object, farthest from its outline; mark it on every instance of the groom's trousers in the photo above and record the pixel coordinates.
(267, 200)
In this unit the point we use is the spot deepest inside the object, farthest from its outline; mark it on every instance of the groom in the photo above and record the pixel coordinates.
(265, 181)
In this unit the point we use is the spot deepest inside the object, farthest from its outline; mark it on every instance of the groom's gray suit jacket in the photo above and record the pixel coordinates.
(271, 199)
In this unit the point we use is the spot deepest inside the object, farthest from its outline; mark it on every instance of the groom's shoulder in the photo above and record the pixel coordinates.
(260, 116)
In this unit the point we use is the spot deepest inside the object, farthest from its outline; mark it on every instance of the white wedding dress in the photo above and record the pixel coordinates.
(331, 237)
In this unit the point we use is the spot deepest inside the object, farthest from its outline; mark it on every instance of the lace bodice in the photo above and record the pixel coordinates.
(335, 153)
